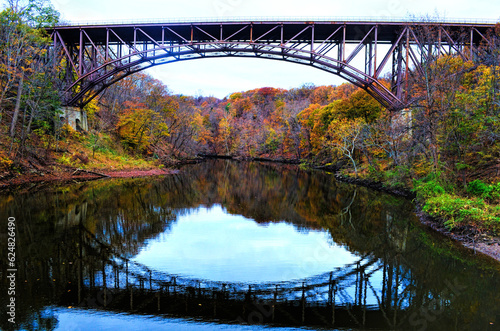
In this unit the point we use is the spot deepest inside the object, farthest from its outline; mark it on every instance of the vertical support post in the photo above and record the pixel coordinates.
(396, 294)
(375, 55)
(303, 302)
(343, 43)
(384, 282)
(117, 277)
(312, 43)
(439, 41)
(93, 59)
(163, 36)
(192, 33)
(135, 39)
(275, 300)
(339, 52)
(251, 33)
(104, 281)
(92, 278)
(221, 37)
(80, 54)
(364, 297)
(282, 41)
(106, 53)
(214, 298)
(333, 302)
(407, 62)
(126, 275)
(131, 298)
(80, 264)
(54, 50)
(368, 58)
(471, 44)
(390, 274)
(330, 289)
(158, 294)
(356, 289)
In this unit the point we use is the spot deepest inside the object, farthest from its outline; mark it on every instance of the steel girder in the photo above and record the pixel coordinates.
(378, 57)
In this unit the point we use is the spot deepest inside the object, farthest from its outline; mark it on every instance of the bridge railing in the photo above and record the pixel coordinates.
(227, 19)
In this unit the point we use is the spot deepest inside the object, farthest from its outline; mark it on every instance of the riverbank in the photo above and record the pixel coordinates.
(67, 174)
(469, 236)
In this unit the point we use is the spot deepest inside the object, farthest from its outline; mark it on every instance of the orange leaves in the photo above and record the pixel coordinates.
(200, 124)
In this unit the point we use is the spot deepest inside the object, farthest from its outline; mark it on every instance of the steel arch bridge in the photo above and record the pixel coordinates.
(97, 56)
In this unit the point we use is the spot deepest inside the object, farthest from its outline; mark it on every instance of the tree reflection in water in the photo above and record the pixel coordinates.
(74, 245)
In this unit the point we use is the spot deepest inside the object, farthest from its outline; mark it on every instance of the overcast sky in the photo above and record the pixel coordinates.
(219, 77)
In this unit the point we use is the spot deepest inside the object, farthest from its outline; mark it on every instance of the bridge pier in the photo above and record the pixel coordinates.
(75, 117)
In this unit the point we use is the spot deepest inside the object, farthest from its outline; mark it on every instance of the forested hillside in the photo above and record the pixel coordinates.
(446, 146)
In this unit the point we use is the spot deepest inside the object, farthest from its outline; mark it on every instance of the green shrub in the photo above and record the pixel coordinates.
(429, 186)
(457, 211)
(481, 189)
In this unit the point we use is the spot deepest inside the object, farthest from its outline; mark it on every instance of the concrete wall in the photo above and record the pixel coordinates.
(75, 117)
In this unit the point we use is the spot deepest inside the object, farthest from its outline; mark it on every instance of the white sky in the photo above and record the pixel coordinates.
(220, 77)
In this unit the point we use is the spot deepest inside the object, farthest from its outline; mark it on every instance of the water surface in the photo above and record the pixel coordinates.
(237, 245)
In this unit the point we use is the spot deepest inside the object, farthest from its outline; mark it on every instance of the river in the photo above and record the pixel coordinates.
(235, 246)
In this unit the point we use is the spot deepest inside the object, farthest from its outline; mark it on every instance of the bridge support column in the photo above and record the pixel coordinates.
(75, 117)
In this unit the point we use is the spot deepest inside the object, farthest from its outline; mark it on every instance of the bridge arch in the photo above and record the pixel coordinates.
(99, 56)
(93, 87)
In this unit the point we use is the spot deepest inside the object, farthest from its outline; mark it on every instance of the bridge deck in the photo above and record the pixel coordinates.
(355, 30)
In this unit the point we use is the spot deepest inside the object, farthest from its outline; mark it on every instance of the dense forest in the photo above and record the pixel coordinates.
(446, 146)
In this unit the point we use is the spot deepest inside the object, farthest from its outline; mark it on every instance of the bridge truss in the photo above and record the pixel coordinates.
(378, 57)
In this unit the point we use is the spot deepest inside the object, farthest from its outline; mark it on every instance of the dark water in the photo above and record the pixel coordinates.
(235, 246)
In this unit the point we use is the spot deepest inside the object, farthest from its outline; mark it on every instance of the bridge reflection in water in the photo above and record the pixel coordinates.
(77, 250)
(101, 278)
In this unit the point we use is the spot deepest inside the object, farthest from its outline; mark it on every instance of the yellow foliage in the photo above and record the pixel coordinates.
(5, 161)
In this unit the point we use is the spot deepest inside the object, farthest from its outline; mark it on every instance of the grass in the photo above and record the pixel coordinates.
(459, 211)
(478, 206)
(480, 209)
(107, 155)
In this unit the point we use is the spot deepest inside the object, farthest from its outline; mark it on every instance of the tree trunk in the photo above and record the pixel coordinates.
(17, 107)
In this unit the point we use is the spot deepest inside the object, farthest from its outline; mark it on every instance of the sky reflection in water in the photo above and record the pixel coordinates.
(209, 243)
